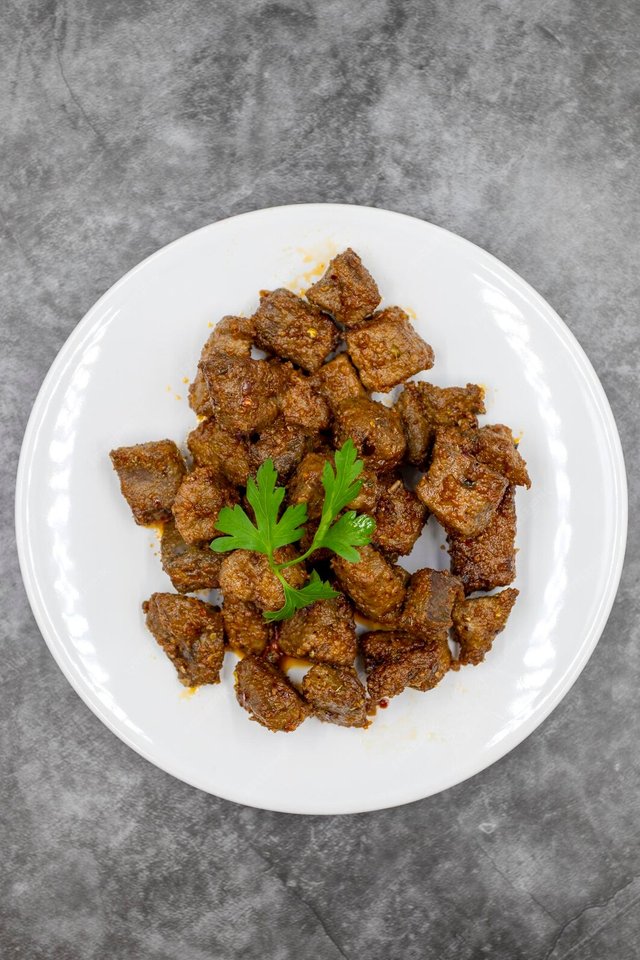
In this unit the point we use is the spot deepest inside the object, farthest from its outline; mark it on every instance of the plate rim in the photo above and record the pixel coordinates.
(615, 458)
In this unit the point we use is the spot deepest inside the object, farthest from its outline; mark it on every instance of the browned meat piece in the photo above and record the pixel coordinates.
(268, 696)
(212, 446)
(324, 631)
(284, 444)
(494, 445)
(336, 695)
(347, 290)
(303, 406)
(233, 336)
(488, 560)
(338, 381)
(376, 586)
(243, 392)
(421, 669)
(399, 517)
(370, 490)
(190, 633)
(190, 567)
(375, 430)
(150, 475)
(477, 622)
(462, 493)
(387, 350)
(425, 408)
(431, 595)
(244, 626)
(196, 508)
(245, 575)
(377, 646)
(306, 486)
(293, 329)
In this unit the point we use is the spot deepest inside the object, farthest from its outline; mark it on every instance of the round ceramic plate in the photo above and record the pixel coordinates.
(121, 378)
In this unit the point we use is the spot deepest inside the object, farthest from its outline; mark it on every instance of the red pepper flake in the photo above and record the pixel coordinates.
(384, 704)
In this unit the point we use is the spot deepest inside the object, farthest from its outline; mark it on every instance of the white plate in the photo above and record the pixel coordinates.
(121, 379)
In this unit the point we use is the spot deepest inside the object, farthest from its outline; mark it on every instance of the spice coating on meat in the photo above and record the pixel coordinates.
(243, 392)
(431, 595)
(190, 633)
(323, 631)
(295, 330)
(336, 695)
(387, 350)
(196, 508)
(150, 475)
(246, 575)
(425, 408)
(421, 669)
(302, 405)
(376, 586)
(232, 336)
(347, 290)
(494, 445)
(268, 696)
(400, 517)
(190, 567)
(338, 381)
(488, 560)
(477, 622)
(212, 446)
(375, 430)
(244, 626)
(377, 646)
(462, 493)
(282, 443)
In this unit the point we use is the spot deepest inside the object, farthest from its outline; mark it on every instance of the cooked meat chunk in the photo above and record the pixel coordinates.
(243, 392)
(421, 669)
(245, 575)
(232, 336)
(324, 631)
(212, 446)
(477, 622)
(431, 595)
(387, 350)
(494, 445)
(425, 408)
(199, 399)
(462, 493)
(488, 560)
(375, 430)
(377, 646)
(376, 586)
(303, 406)
(268, 696)
(150, 475)
(399, 517)
(284, 444)
(336, 695)
(306, 486)
(338, 381)
(347, 290)
(370, 490)
(196, 508)
(244, 626)
(293, 329)
(190, 566)
(190, 633)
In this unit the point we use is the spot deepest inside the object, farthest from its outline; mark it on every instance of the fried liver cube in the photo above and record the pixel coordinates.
(189, 566)
(281, 442)
(488, 560)
(323, 631)
(190, 633)
(387, 350)
(232, 336)
(295, 330)
(335, 695)
(431, 595)
(263, 691)
(425, 408)
(302, 405)
(377, 646)
(347, 290)
(201, 497)
(376, 586)
(400, 517)
(244, 626)
(246, 575)
(150, 475)
(227, 453)
(477, 622)
(422, 669)
(338, 381)
(462, 493)
(243, 392)
(375, 430)
(494, 446)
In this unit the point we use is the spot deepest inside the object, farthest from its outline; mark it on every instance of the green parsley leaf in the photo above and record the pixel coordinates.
(341, 486)
(296, 599)
(349, 531)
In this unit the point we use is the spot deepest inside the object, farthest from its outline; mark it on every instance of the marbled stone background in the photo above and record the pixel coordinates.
(126, 123)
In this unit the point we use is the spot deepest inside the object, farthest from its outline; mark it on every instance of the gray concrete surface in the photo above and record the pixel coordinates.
(126, 123)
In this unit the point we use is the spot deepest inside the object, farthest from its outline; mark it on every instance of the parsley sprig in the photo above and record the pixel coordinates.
(339, 532)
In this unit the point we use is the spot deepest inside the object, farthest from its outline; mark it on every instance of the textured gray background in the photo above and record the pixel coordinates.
(126, 123)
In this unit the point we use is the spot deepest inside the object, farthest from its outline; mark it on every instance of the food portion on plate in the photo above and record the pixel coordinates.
(302, 493)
